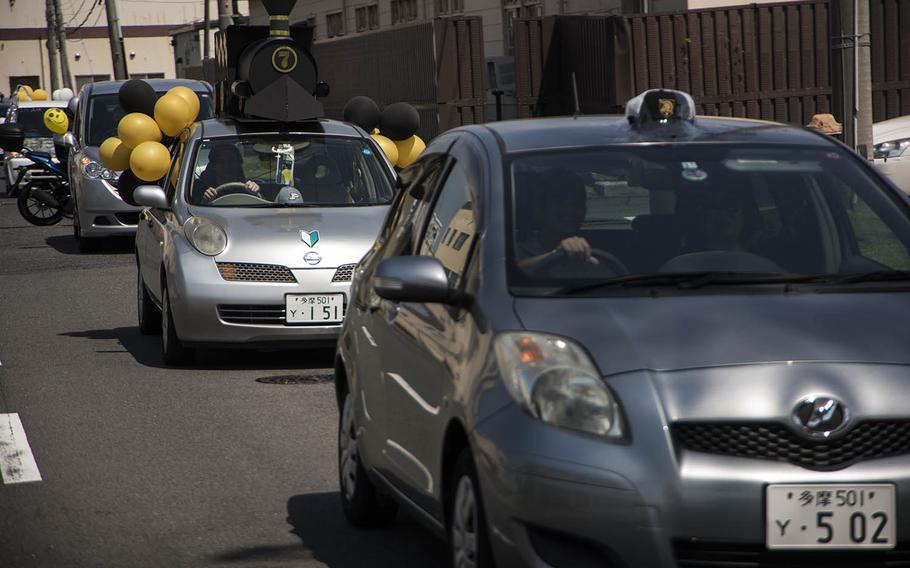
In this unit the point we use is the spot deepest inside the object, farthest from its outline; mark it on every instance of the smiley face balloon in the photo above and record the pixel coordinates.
(56, 120)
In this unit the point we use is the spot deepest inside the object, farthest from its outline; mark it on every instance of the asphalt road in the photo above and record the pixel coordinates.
(144, 465)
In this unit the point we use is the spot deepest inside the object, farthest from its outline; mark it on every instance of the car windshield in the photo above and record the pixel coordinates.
(32, 121)
(288, 170)
(593, 215)
(104, 114)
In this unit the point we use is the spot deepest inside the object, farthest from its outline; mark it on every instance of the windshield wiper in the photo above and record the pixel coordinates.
(876, 276)
(688, 280)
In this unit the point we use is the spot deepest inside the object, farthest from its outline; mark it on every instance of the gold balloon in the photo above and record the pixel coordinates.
(191, 98)
(24, 93)
(56, 120)
(173, 114)
(39, 95)
(150, 161)
(388, 147)
(409, 150)
(115, 155)
(136, 128)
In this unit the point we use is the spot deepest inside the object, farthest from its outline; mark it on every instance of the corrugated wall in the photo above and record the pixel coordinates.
(890, 29)
(435, 66)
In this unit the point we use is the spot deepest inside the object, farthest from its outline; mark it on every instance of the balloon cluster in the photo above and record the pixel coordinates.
(137, 149)
(26, 93)
(394, 128)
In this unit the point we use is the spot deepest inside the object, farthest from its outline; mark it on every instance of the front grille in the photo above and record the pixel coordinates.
(245, 272)
(131, 218)
(710, 555)
(345, 273)
(271, 314)
(773, 441)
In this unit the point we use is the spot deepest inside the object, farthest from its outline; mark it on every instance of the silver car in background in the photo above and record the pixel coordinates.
(99, 210)
(254, 237)
(642, 342)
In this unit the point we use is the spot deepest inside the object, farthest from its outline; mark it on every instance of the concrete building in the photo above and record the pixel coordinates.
(146, 26)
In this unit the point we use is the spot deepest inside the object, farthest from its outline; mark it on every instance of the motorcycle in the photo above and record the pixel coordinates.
(45, 197)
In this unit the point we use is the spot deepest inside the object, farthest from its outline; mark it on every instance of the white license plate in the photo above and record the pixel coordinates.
(314, 308)
(830, 516)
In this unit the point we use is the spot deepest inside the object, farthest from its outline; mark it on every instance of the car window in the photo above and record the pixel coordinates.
(31, 120)
(590, 214)
(452, 225)
(170, 181)
(287, 170)
(103, 114)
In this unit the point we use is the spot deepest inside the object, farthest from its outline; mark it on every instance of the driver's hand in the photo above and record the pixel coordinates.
(577, 249)
(210, 194)
(252, 187)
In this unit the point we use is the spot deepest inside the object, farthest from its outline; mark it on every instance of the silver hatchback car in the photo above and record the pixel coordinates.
(253, 239)
(644, 341)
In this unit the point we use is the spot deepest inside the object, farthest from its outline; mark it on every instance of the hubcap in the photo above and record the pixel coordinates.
(464, 525)
(347, 442)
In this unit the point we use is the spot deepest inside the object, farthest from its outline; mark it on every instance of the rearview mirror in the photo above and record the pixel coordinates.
(413, 279)
(150, 196)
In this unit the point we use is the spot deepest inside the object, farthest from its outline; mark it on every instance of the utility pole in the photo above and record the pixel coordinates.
(206, 41)
(116, 39)
(224, 14)
(61, 43)
(52, 43)
(863, 81)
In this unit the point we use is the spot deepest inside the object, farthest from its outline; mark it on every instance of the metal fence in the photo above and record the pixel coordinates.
(768, 61)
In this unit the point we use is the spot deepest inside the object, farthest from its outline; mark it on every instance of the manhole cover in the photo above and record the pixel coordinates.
(296, 379)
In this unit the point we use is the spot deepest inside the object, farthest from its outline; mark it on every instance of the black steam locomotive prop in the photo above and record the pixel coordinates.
(267, 72)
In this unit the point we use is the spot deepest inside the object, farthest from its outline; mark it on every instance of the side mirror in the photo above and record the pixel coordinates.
(413, 279)
(69, 140)
(150, 196)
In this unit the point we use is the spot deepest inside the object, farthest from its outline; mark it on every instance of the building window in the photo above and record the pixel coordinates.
(404, 11)
(446, 7)
(334, 24)
(367, 17)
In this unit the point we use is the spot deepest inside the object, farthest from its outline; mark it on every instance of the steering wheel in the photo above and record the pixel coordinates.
(235, 198)
(605, 258)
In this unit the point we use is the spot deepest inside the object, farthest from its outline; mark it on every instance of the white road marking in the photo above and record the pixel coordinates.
(17, 464)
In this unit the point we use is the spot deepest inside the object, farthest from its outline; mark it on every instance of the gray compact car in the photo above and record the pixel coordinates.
(253, 239)
(644, 341)
(100, 212)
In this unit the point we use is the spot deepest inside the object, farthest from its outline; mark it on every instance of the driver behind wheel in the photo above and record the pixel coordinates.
(554, 206)
(225, 166)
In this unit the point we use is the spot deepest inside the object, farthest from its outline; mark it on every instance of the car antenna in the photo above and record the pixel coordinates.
(575, 95)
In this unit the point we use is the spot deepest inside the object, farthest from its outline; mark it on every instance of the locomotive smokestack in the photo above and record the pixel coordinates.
(279, 16)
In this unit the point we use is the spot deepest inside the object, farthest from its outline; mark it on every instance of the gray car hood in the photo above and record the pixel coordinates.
(272, 236)
(672, 333)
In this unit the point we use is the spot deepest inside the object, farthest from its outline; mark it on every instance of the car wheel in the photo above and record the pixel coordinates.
(175, 352)
(469, 544)
(149, 316)
(363, 505)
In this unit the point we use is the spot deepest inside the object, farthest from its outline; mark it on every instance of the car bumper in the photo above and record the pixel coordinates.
(897, 170)
(552, 496)
(102, 213)
(209, 310)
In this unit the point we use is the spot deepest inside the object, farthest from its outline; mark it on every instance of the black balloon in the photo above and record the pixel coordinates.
(399, 121)
(137, 96)
(127, 184)
(364, 112)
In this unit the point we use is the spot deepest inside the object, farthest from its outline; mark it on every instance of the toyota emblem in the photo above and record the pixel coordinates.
(820, 416)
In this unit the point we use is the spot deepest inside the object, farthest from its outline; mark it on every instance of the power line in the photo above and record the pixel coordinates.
(87, 16)
(76, 12)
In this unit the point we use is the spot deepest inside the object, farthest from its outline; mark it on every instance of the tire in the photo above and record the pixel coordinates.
(362, 504)
(174, 351)
(469, 540)
(148, 314)
(36, 212)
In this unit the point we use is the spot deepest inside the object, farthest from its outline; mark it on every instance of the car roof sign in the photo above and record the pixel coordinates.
(658, 107)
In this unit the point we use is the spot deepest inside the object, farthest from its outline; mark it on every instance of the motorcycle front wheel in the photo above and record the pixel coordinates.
(36, 211)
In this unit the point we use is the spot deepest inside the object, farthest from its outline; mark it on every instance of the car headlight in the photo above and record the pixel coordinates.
(554, 380)
(891, 149)
(93, 170)
(208, 237)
